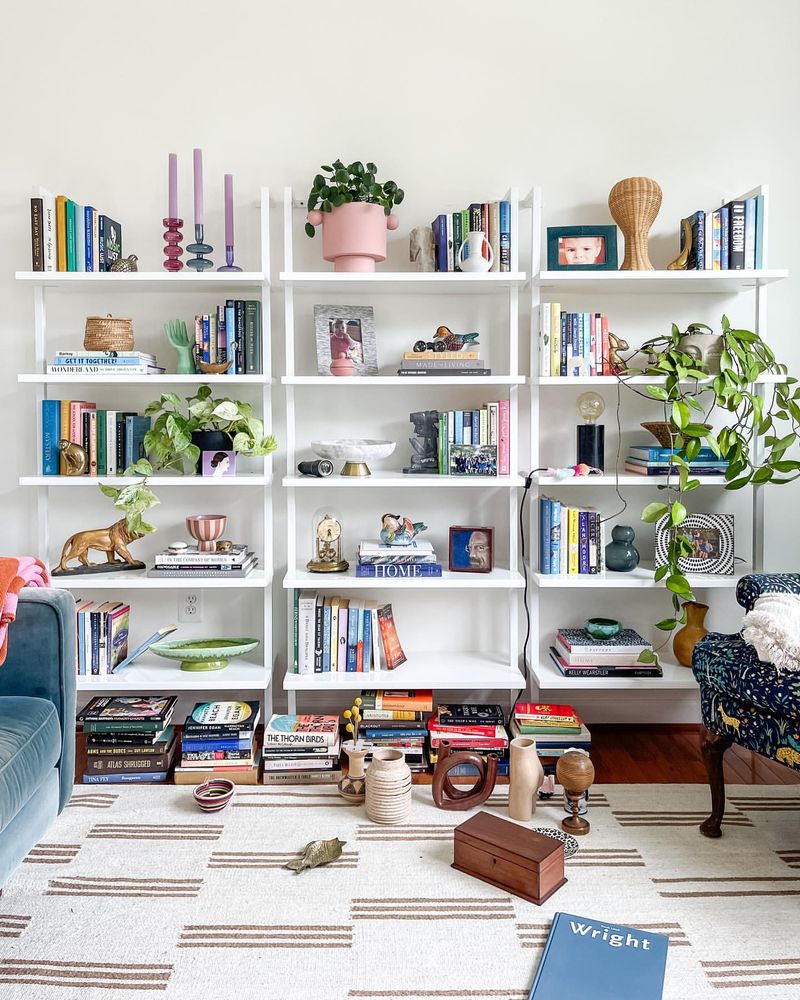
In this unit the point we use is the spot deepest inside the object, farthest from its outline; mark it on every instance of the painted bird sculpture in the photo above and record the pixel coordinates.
(399, 530)
(318, 852)
(445, 340)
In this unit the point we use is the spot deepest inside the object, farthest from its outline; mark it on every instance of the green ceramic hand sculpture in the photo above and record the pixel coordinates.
(176, 333)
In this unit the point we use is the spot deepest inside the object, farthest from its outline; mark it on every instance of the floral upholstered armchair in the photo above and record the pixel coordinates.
(745, 700)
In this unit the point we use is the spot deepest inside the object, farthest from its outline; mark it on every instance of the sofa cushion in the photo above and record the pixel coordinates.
(30, 745)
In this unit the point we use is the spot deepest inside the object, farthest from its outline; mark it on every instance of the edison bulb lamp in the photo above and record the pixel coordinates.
(591, 435)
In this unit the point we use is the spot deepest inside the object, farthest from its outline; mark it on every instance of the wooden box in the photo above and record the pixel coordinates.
(509, 856)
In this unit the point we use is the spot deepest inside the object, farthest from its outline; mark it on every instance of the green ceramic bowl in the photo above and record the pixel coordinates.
(602, 628)
(203, 654)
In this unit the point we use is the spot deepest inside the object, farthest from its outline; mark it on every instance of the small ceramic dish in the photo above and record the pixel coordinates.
(602, 628)
(214, 794)
(203, 654)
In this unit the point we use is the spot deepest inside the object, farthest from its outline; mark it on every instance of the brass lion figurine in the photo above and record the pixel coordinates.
(113, 540)
(75, 458)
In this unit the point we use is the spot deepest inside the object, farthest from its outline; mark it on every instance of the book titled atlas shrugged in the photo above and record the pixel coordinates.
(588, 959)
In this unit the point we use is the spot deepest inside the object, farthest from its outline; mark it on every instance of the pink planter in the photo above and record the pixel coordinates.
(354, 235)
(206, 529)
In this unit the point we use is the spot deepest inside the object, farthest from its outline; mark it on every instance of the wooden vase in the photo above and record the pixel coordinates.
(634, 204)
(686, 638)
(388, 783)
(526, 776)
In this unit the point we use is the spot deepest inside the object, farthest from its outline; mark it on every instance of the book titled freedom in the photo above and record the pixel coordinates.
(588, 959)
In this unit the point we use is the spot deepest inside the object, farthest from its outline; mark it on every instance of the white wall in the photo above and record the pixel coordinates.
(451, 99)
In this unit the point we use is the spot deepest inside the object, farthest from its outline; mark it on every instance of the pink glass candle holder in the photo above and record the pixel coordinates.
(173, 249)
(205, 529)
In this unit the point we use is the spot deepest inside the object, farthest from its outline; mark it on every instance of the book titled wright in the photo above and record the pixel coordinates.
(587, 959)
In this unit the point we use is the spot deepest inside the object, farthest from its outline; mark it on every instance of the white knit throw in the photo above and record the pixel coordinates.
(772, 628)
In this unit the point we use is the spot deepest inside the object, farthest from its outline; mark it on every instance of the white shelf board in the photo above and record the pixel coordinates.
(454, 671)
(383, 380)
(574, 380)
(657, 282)
(186, 481)
(394, 479)
(436, 283)
(143, 281)
(139, 580)
(676, 678)
(153, 673)
(642, 576)
(105, 379)
(498, 579)
(624, 480)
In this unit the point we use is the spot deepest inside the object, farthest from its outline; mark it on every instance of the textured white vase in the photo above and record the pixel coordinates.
(525, 778)
(388, 782)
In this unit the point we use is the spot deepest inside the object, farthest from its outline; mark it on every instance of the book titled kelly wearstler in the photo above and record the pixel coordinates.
(586, 959)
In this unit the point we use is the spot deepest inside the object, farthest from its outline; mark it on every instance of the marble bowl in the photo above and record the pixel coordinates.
(354, 452)
(203, 654)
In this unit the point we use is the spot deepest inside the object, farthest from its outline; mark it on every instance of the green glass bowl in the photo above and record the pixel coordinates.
(602, 628)
(203, 654)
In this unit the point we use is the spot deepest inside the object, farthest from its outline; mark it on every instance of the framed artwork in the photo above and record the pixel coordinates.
(473, 459)
(471, 549)
(581, 248)
(346, 332)
(711, 536)
(219, 463)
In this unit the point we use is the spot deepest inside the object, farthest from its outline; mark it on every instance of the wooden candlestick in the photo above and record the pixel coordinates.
(575, 772)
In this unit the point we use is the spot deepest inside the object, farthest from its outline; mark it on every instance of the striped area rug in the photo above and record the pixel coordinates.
(151, 897)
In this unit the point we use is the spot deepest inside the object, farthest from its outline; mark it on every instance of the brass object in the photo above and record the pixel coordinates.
(125, 264)
(224, 545)
(575, 772)
(216, 369)
(355, 469)
(318, 852)
(446, 795)
(327, 547)
(615, 345)
(108, 333)
(113, 541)
(75, 458)
(681, 262)
(634, 203)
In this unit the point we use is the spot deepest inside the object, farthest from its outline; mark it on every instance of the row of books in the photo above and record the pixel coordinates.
(729, 238)
(129, 739)
(101, 636)
(400, 728)
(572, 343)
(397, 561)
(577, 654)
(112, 439)
(644, 460)
(571, 539)
(219, 740)
(475, 442)
(556, 728)
(476, 728)
(66, 236)
(344, 635)
(108, 362)
(189, 562)
(301, 749)
(493, 219)
(453, 363)
(231, 333)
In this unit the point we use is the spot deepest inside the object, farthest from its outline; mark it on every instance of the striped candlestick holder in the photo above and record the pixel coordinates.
(173, 249)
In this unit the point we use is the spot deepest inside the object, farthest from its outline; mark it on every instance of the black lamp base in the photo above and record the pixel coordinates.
(591, 445)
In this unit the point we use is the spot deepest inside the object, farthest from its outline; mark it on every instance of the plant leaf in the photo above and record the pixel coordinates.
(653, 512)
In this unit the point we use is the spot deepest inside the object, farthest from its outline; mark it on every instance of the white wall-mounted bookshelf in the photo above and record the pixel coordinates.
(246, 608)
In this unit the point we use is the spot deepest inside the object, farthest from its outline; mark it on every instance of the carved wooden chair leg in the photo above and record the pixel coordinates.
(714, 747)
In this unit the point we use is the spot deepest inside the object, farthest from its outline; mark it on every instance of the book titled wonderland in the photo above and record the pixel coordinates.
(588, 959)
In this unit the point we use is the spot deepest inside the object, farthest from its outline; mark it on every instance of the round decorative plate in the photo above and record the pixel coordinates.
(569, 842)
(203, 654)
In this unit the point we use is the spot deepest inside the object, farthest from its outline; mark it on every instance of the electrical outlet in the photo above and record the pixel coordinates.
(190, 608)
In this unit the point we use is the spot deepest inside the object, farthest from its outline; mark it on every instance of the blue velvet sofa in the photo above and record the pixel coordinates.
(743, 700)
(37, 722)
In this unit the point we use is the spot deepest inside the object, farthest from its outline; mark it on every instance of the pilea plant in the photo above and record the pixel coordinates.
(135, 498)
(763, 423)
(344, 184)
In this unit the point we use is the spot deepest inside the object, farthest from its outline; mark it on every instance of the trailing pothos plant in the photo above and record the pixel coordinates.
(346, 183)
(763, 423)
(135, 498)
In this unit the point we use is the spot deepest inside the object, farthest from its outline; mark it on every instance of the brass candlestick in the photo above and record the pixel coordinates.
(575, 772)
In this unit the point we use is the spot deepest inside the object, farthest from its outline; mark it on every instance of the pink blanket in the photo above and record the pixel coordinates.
(15, 573)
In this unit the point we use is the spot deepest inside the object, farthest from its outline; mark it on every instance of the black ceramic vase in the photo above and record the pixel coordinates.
(622, 556)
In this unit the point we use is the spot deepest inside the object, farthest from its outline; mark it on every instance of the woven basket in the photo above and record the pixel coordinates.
(108, 333)
(634, 203)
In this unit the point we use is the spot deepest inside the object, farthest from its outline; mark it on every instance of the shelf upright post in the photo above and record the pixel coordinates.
(40, 351)
(534, 596)
(512, 196)
(291, 448)
(266, 410)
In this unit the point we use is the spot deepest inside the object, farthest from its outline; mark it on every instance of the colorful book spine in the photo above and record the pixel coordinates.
(448, 219)
(71, 236)
(494, 234)
(399, 571)
(555, 536)
(439, 226)
(252, 334)
(750, 233)
(352, 636)
(759, 248)
(230, 337)
(61, 232)
(458, 239)
(505, 235)
(716, 241)
(326, 636)
(51, 433)
(504, 438)
(37, 235)
(737, 235)
(545, 505)
(724, 237)
(80, 239)
(545, 347)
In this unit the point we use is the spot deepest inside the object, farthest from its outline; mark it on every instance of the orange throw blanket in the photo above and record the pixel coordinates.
(16, 573)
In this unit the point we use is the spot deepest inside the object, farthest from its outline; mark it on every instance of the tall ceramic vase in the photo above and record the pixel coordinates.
(351, 786)
(388, 781)
(686, 638)
(526, 777)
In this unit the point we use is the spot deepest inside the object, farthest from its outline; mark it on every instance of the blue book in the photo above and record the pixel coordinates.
(759, 254)
(145, 777)
(51, 432)
(555, 536)
(458, 427)
(214, 744)
(439, 226)
(399, 571)
(88, 238)
(81, 647)
(505, 236)
(206, 339)
(476, 428)
(135, 430)
(326, 638)
(368, 641)
(230, 337)
(653, 454)
(562, 366)
(697, 251)
(396, 734)
(352, 635)
(615, 962)
(724, 237)
(545, 507)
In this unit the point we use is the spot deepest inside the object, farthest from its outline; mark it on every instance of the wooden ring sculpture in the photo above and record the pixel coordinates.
(446, 795)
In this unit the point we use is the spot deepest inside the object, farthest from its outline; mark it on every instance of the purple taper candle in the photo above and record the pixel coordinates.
(198, 187)
(172, 213)
(228, 210)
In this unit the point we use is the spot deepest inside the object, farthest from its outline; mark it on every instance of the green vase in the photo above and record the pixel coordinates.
(622, 556)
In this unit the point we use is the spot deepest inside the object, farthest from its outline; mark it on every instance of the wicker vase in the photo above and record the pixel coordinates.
(634, 204)
(388, 782)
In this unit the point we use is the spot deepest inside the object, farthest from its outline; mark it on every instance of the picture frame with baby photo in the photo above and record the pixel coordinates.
(346, 334)
(582, 248)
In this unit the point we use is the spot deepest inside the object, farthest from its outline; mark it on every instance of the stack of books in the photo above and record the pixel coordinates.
(128, 739)
(478, 728)
(343, 635)
(577, 654)
(428, 363)
(492, 218)
(106, 362)
(231, 333)
(396, 719)
(112, 439)
(301, 749)
(70, 237)
(398, 561)
(219, 741)
(475, 442)
(571, 539)
(572, 344)
(190, 562)
(729, 238)
(556, 728)
(101, 636)
(644, 460)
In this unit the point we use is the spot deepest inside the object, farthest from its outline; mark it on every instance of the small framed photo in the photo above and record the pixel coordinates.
(219, 463)
(471, 549)
(473, 459)
(581, 248)
(711, 537)
(346, 332)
